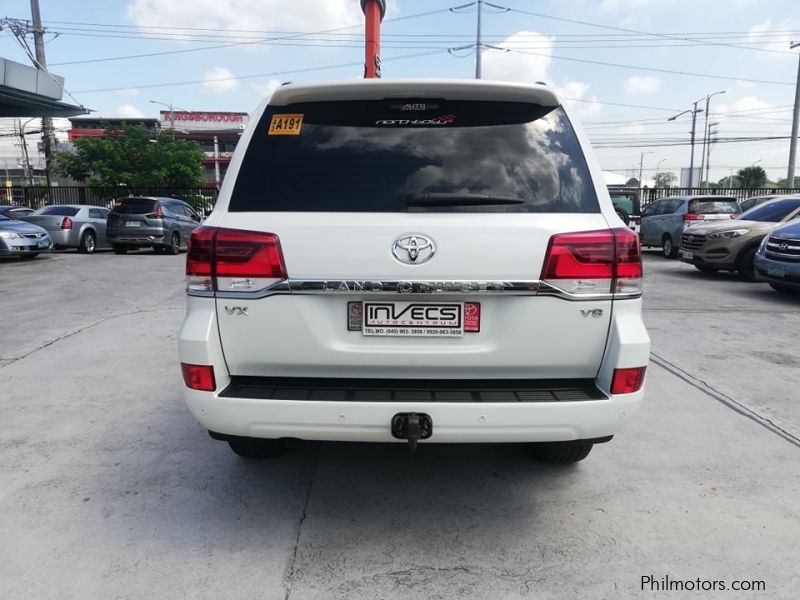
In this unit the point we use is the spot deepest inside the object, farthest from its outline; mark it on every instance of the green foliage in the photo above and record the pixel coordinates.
(665, 179)
(752, 177)
(129, 156)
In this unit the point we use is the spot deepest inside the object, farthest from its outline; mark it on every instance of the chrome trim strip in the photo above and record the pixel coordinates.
(374, 287)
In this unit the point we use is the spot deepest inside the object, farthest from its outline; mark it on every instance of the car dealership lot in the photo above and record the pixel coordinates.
(110, 489)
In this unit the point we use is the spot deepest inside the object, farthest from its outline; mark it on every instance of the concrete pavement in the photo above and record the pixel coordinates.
(110, 489)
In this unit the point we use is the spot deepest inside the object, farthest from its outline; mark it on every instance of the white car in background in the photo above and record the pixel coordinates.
(414, 260)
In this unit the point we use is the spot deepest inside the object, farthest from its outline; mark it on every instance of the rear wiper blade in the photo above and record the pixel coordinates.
(459, 199)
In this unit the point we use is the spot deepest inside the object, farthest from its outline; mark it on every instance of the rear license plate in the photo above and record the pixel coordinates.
(413, 319)
(776, 272)
(687, 255)
(133, 223)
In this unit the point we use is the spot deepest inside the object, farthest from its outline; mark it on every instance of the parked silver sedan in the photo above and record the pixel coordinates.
(73, 226)
(18, 238)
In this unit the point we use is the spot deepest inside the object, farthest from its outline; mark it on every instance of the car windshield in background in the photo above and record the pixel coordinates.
(414, 156)
(772, 211)
(725, 206)
(61, 211)
(135, 207)
(624, 202)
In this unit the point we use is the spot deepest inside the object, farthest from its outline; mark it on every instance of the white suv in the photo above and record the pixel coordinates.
(404, 260)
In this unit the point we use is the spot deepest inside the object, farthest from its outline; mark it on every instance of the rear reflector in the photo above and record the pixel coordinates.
(594, 262)
(627, 381)
(233, 260)
(199, 377)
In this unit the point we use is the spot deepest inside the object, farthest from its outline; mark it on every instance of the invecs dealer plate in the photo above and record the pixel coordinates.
(413, 319)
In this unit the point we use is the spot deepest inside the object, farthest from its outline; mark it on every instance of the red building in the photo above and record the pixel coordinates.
(217, 134)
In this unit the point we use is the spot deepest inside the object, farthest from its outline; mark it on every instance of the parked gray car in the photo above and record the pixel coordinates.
(15, 212)
(163, 224)
(73, 226)
(18, 238)
(664, 221)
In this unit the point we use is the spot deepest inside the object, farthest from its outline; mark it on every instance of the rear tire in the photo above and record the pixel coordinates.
(668, 248)
(746, 268)
(561, 453)
(174, 245)
(257, 448)
(88, 243)
(784, 289)
(120, 249)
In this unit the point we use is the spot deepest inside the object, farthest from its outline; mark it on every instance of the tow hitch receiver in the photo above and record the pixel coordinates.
(412, 427)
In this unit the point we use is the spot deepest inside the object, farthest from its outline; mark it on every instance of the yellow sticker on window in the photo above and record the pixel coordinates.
(285, 124)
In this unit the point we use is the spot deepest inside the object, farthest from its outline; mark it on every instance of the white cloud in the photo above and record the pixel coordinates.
(298, 15)
(515, 66)
(127, 111)
(219, 80)
(574, 95)
(626, 5)
(642, 85)
(265, 90)
(128, 92)
(767, 31)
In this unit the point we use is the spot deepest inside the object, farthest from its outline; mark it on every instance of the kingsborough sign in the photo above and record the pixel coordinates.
(193, 121)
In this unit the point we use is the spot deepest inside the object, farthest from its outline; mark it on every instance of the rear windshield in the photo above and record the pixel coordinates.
(723, 206)
(135, 207)
(772, 211)
(61, 211)
(414, 156)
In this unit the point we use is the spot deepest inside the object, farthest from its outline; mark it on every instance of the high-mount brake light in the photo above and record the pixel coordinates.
(233, 260)
(594, 262)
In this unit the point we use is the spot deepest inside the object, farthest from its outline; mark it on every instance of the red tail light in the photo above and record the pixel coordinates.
(594, 262)
(627, 381)
(199, 377)
(66, 223)
(233, 260)
(158, 214)
(693, 217)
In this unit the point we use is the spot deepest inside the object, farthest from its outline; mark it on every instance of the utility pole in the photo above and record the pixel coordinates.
(478, 43)
(41, 63)
(641, 164)
(216, 161)
(27, 171)
(795, 120)
(709, 133)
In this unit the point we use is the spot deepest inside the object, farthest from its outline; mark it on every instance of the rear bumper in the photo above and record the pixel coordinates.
(331, 415)
(135, 236)
(453, 422)
(65, 237)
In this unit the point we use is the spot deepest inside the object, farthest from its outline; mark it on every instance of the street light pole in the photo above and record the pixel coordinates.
(171, 108)
(705, 136)
(694, 112)
(795, 120)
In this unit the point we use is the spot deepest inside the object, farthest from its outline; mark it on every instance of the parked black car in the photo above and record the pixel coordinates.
(627, 203)
(163, 224)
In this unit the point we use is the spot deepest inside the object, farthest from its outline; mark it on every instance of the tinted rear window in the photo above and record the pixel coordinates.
(135, 207)
(771, 212)
(725, 206)
(373, 156)
(61, 211)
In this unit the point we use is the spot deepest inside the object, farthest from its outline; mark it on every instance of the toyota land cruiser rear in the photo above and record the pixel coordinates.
(414, 260)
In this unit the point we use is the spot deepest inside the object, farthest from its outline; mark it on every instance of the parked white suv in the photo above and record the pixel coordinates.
(404, 260)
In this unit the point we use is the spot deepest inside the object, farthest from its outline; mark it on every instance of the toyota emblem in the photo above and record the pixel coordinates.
(413, 249)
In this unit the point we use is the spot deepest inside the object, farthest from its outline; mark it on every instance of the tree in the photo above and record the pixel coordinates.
(632, 182)
(129, 156)
(752, 177)
(730, 182)
(665, 179)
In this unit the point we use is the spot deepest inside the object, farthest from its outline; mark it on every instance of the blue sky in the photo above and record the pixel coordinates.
(236, 77)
